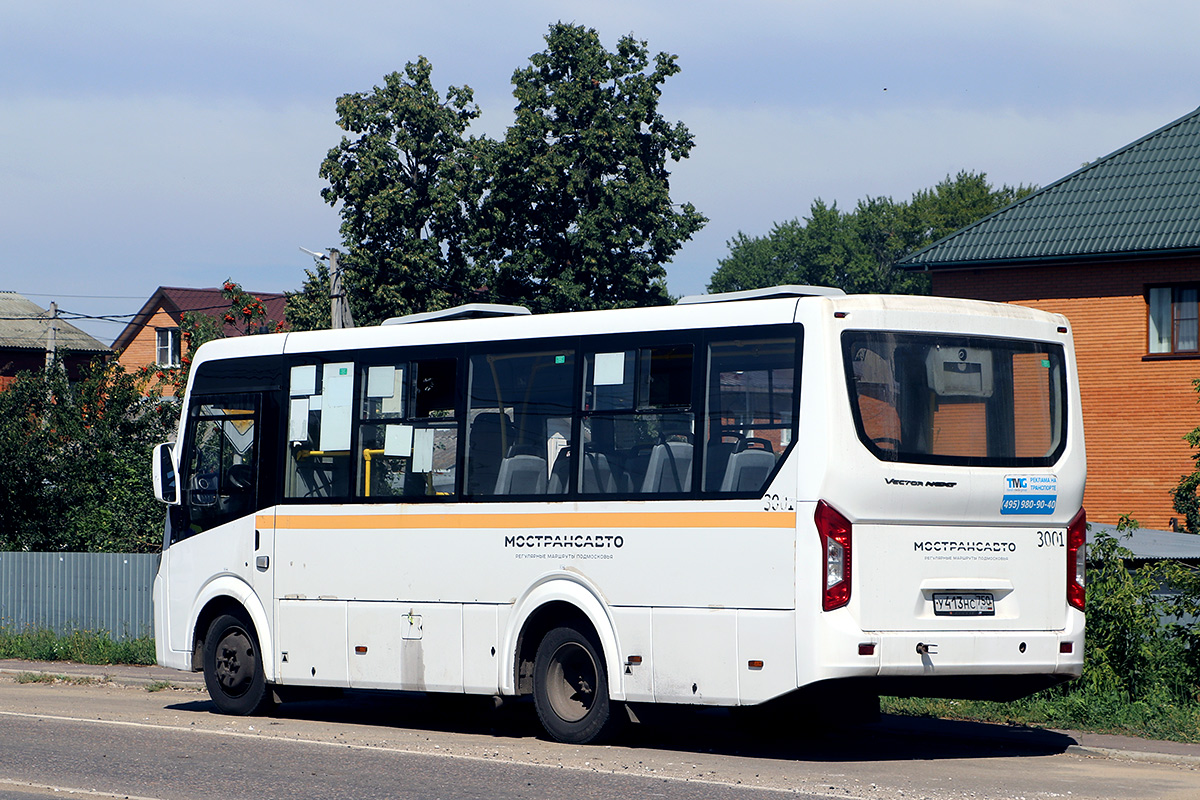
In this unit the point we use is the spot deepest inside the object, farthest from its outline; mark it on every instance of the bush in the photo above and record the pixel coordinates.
(84, 647)
(75, 461)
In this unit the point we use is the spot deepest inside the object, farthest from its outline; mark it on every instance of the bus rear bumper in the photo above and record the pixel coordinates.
(966, 664)
(972, 652)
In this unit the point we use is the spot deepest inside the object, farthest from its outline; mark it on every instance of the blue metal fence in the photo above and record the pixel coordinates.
(64, 592)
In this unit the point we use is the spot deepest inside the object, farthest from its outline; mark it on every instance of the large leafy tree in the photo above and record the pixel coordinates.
(406, 190)
(74, 461)
(579, 214)
(857, 250)
(570, 210)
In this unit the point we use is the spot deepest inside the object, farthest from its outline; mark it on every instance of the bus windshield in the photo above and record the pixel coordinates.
(956, 400)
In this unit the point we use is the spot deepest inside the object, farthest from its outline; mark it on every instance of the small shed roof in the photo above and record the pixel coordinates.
(1142, 200)
(24, 326)
(1150, 545)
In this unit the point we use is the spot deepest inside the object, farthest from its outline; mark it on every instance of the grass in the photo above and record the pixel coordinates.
(36, 677)
(83, 647)
(1159, 717)
(45, 677)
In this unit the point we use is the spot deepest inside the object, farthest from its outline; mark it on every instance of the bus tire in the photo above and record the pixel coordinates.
(570, 688)
(233, 669)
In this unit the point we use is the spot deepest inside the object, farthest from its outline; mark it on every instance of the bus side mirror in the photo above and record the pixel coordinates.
(166, 487)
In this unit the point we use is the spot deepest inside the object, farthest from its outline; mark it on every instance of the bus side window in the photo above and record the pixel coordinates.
(319, 429)
(519, 431)
(638, 421)
(408, 435)
(751, 420)
(222, 468)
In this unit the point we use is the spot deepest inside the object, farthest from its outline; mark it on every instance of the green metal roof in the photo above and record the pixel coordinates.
(1144, 199)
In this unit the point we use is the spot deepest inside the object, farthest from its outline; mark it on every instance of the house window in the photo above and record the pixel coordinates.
(1174, 319)
(168, 347)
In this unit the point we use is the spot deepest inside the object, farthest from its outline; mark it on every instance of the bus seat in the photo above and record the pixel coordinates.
(599, 475)
(522, 473)
(490, 435)
(670, 468)
(634, 466)
(747, 470)
(716, 462)
(559, 472)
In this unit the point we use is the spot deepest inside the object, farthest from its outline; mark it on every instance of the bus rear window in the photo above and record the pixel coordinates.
(958, 400)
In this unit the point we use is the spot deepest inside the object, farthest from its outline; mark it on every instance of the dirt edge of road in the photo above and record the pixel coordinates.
(1093, 745)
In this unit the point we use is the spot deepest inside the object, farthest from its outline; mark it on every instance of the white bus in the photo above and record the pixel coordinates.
(735, 499)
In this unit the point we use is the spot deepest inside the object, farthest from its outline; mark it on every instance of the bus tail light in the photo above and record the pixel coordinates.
(835, 532)
(1077, 560)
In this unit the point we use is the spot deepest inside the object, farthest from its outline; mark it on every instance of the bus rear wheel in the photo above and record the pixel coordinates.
(233, 670)
(570, 688)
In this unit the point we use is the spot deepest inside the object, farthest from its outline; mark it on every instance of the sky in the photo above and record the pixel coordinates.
(147, 144)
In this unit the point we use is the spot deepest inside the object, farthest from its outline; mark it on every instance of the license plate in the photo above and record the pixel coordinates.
(963, 604)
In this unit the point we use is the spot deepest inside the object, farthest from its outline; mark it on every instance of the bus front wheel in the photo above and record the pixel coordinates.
(570, 688)
(233, 670)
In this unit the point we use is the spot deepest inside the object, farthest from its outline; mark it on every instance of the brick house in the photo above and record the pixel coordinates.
(1115, 246)
(153, 335)
(23, 331)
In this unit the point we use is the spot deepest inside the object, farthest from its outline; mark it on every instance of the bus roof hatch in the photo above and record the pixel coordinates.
(769, 293)
(468, 311)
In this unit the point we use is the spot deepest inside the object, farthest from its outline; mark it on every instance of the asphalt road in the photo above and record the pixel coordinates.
(124, 741)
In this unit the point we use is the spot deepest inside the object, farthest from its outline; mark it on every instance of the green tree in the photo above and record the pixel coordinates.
(74, 461)
(857, 251)
(578, 213)
(407, 189)
(308, 309)
(570, 210)
(246, 315)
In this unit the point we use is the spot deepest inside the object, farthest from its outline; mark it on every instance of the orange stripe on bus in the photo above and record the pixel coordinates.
(715, 519)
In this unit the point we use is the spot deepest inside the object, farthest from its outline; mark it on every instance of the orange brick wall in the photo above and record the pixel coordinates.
(143, 349)
(1135, 411)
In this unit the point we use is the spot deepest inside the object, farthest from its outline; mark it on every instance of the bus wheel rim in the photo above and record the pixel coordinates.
(571, 682)
(235, 663)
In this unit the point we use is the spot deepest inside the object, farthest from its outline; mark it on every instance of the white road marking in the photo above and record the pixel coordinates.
(73, 790)
(376, 749)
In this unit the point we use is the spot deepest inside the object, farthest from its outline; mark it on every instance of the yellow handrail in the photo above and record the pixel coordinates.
(367, 454)
(303, 454)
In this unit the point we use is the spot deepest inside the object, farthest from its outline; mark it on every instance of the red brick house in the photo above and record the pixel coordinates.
(1115, 246)
(24, 327)
(153, 335)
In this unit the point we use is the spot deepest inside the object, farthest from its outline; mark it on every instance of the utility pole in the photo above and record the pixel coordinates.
(52, 336)
(339, 306)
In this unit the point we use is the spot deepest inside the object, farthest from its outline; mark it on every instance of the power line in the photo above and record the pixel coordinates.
(83, 296)
(121, 319)
(72, 315)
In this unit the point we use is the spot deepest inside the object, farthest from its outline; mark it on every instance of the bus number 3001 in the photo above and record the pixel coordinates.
(775, 502)
(1052, 539)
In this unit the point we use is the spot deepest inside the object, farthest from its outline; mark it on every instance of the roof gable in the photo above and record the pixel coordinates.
(24, 325)
(1143, 199)
(177, 301)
